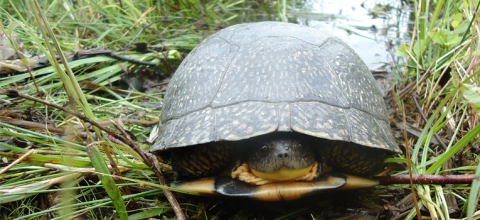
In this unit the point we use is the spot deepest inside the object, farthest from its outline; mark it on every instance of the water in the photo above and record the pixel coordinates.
(372, 28)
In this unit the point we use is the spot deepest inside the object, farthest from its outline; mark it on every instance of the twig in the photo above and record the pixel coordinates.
(415, 98)
(112, 54)
(426, 179)
(173, 201)
(139, 62)
(16, 161)
(105, 123)
(94, 86)
(31, 124)
(44, 152)
(116, 141)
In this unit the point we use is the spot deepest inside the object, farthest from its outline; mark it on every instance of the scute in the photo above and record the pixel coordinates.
(280, 69)
(253, 79)
(198, 78)
(194, 128)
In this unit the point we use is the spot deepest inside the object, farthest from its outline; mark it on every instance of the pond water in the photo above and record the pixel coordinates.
(373, 28)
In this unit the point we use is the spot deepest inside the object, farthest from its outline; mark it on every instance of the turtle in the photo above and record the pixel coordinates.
(273, 111)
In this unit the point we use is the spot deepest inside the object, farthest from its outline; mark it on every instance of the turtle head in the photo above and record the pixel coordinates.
(283, 156)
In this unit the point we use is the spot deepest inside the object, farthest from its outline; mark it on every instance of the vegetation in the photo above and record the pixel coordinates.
(66, 175)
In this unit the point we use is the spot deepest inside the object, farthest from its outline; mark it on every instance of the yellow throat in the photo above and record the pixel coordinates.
(283, 174)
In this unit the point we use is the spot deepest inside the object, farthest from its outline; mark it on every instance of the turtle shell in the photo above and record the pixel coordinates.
(257, 78)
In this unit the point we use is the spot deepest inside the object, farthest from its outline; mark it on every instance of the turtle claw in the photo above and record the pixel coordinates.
(278, 191)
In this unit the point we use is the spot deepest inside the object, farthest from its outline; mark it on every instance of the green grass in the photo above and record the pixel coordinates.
(443, 46)
(445, 42)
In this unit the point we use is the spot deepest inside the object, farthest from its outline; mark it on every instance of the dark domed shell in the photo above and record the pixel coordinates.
(257, 78)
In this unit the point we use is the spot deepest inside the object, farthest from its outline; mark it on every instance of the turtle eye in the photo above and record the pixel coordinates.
(300, 149)
(263, 151)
